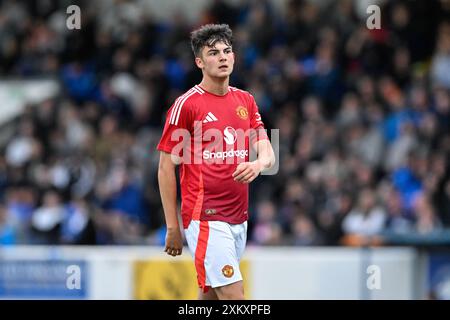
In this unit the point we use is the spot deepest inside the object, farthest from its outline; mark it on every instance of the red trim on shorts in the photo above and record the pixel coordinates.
(200, 252)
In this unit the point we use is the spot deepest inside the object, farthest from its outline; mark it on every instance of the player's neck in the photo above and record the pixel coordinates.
(217, 87)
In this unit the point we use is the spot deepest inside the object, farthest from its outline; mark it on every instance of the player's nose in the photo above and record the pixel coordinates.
(223, 56)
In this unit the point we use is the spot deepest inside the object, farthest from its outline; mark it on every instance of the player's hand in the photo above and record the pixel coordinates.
(174, 242)
(246, 172)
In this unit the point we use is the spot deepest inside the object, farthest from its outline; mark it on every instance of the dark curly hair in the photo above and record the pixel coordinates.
(208, 35)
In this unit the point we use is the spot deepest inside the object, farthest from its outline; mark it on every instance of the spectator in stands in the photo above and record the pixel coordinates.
(266, 230)
(7, 231)
(426, 219)
(367, 218)
(47, 219)
(78, 226)
(398, 221)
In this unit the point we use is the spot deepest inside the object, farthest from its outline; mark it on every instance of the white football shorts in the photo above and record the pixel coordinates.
(217, 248)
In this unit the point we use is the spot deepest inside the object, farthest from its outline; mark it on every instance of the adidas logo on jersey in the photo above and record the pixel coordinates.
(210, 118)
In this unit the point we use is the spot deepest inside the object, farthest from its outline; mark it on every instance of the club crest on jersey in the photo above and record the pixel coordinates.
(228, 271)
(242, 112)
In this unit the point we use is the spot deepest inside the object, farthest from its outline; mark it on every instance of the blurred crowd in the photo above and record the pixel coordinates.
(363, 118)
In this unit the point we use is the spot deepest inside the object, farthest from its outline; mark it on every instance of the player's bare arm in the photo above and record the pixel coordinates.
(168, 189)
(246, 172)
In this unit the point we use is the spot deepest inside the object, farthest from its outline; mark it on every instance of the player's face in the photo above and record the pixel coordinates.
(216, 61)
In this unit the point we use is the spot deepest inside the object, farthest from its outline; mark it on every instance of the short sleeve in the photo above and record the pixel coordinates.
(256, 123)
(178, 125)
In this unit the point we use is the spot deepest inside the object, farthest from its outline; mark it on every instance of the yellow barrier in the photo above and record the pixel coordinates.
(172, 280)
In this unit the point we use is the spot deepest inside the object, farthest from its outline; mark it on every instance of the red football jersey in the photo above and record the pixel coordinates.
(215, 133)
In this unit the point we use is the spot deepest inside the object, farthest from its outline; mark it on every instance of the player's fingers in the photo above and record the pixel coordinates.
(174, 251)
(248, 177)
(237, 172)
(239, 169)
(244, 178)
(245, 175)
(242, 175)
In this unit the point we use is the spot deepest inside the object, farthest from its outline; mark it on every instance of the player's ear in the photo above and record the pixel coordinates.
(199, 62)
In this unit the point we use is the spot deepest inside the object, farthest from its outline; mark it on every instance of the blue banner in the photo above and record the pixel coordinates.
(439, 276)
(43, 279)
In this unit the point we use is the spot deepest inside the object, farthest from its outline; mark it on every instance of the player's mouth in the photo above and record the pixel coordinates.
(223, 67)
